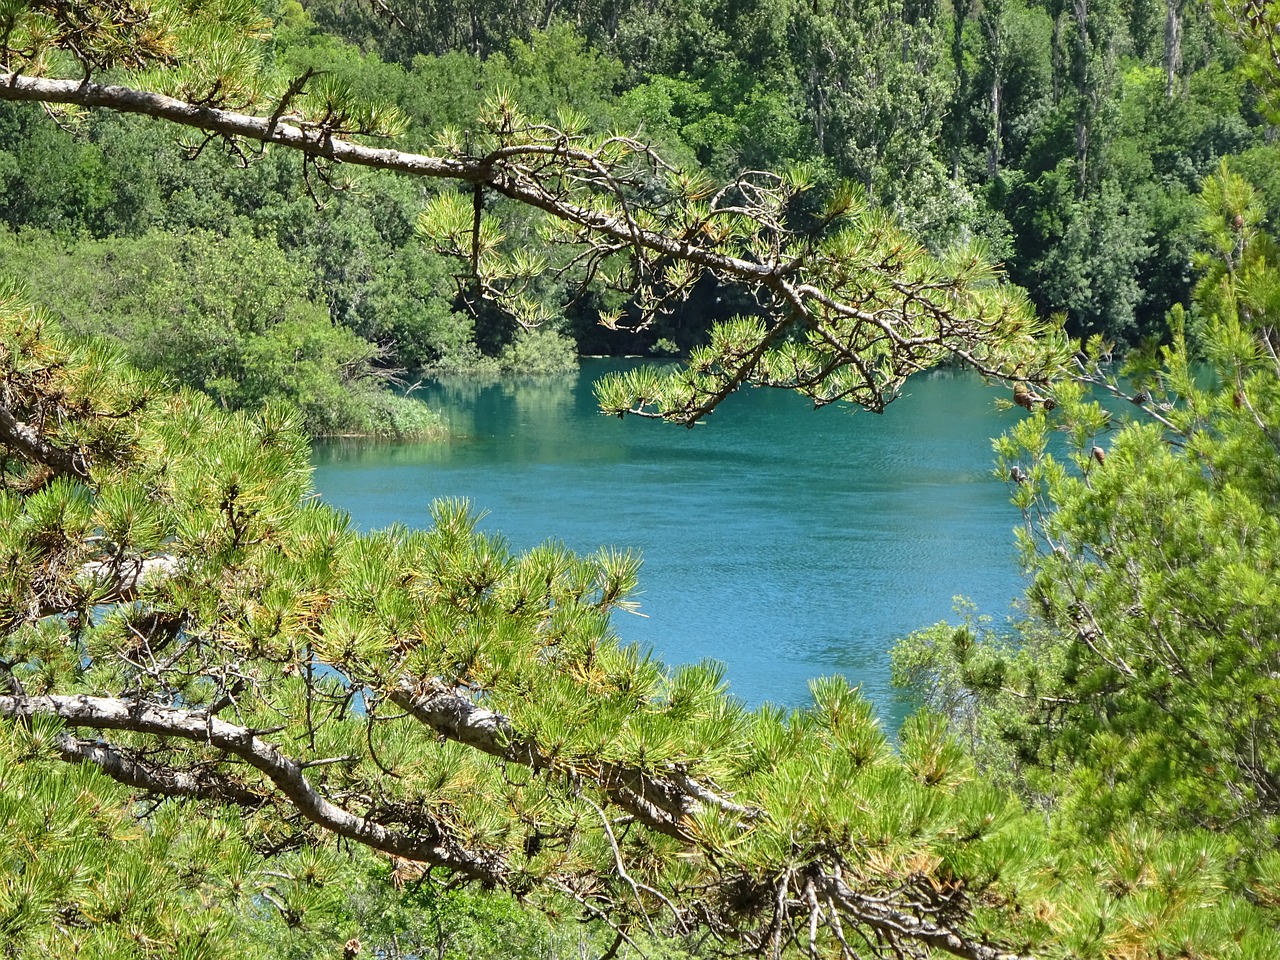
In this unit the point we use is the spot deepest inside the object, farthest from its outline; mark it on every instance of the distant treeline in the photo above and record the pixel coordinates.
(1070, 138)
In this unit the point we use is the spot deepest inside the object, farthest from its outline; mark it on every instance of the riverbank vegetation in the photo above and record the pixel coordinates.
(235, 725)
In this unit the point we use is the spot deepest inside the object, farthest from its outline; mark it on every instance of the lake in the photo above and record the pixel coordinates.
(787, 542)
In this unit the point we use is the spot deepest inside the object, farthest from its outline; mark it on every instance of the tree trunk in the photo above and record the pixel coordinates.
(1172, 45)
(1080, 71)
(993, 149)
(991, 28)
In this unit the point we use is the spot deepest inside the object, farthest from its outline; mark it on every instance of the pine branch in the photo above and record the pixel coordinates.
(662, 801)
(864, 308)
(902, 930)
(135, 769)
(27, 441)
(120, 579)
(900, 918)
(110, 713)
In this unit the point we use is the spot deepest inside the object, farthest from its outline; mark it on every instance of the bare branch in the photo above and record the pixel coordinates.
(899, 927)
(134, 769)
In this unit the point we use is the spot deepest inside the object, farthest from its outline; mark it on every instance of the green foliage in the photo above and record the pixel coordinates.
(88, 873)
(39, 37)
(359, 654)
(554, 71)
(82, 877)
(1240, 287)
(1072, 140)
(869, 262)
(229, 316)
(1254, 25)
(444, 700)
(539, 352)
(1139, 687)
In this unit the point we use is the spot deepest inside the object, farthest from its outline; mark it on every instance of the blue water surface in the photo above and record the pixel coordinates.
(787, 542)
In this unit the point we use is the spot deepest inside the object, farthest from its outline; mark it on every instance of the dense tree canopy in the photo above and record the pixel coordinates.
(1141, 687)
(1069, 141)
(849, 306)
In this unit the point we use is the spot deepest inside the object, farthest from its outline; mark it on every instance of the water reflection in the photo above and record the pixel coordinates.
(529, 399)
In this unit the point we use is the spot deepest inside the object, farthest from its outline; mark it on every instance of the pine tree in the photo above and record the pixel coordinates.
(1141, 688)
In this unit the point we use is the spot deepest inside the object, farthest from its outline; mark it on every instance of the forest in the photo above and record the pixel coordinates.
(234, 725)
(1070, 144)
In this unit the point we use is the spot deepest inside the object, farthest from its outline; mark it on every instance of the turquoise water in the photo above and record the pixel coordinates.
(789, 543)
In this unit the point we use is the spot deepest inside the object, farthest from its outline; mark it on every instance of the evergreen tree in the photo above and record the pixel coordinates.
(178, 611)
(1140, 689)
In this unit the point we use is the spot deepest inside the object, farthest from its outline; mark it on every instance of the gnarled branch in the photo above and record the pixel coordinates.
(134, 769)
(867, 300)
(662, 801)
(287, 775)
(27, 441)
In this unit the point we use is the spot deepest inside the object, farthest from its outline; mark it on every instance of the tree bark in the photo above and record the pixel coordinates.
(111, 713)
(27, 441)
(661, 800)
(1172, 45)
